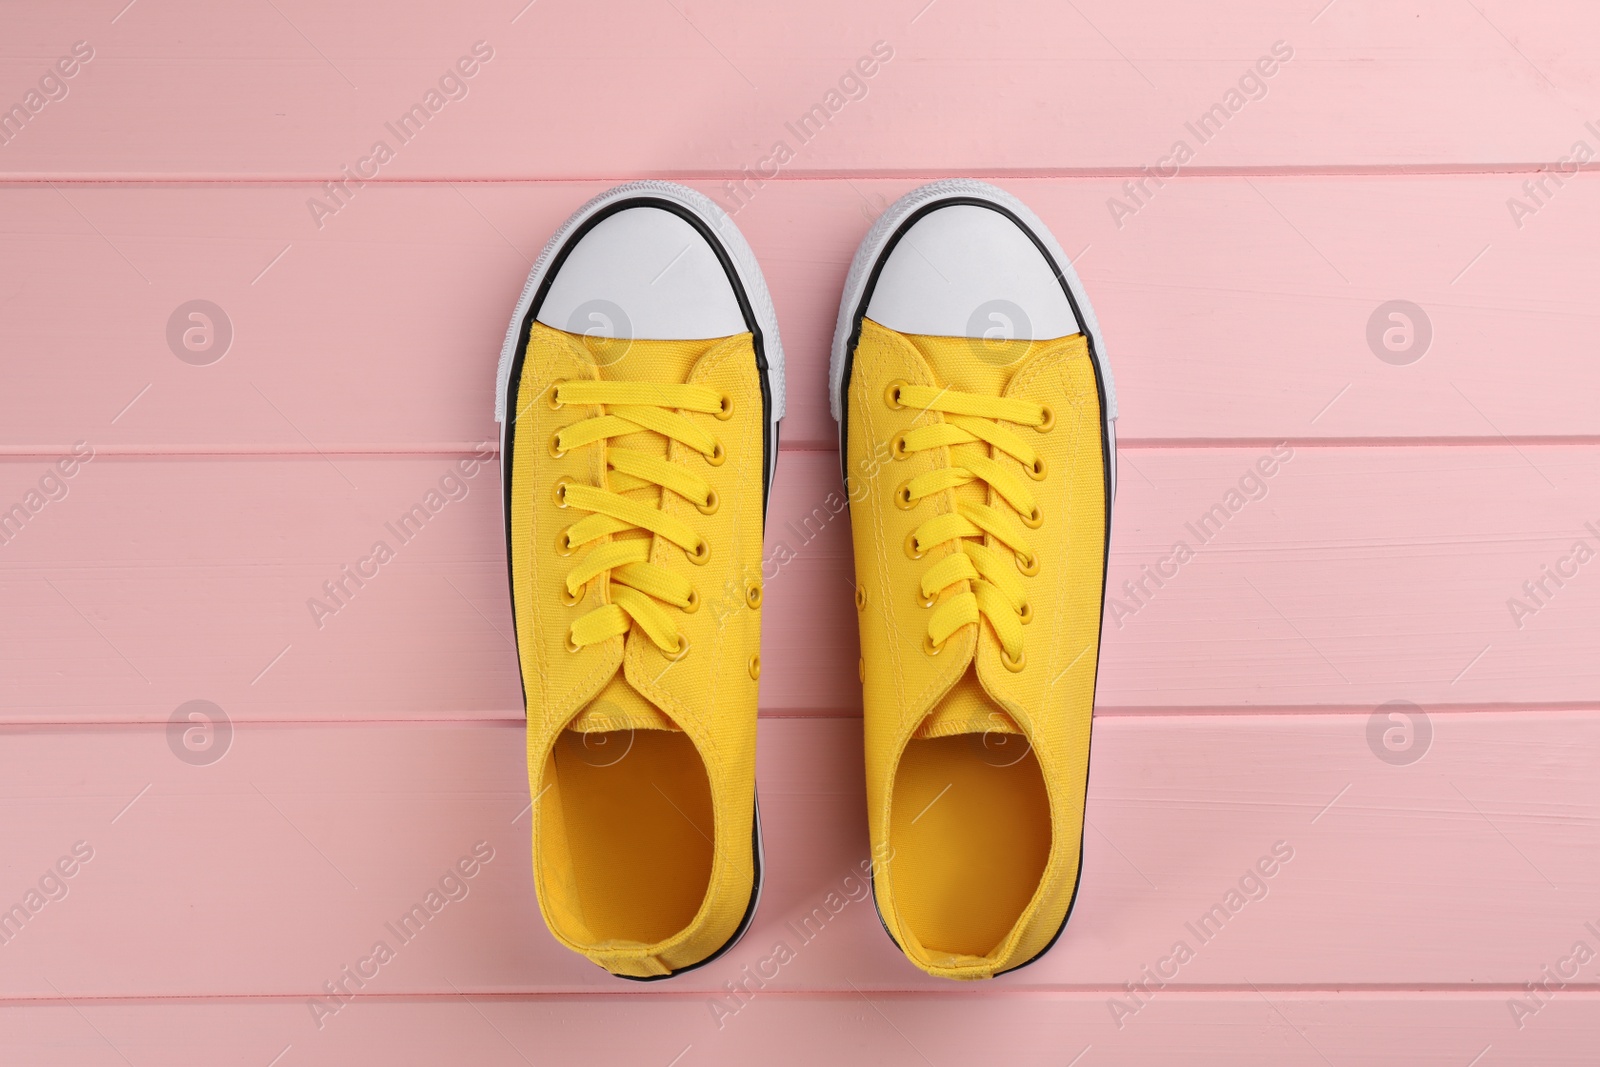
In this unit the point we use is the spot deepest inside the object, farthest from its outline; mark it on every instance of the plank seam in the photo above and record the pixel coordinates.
(1189, 173)
(1292, 991)
(517, 720)
(455, 449)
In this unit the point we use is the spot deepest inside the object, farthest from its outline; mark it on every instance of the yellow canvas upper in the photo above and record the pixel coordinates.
(978, 675)
(636, 520)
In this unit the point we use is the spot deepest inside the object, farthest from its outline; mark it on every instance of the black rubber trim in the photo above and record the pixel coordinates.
(769, 464)
(1105, 462)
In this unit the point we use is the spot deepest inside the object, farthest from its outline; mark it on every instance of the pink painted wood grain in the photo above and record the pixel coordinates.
(1359, 575)
(1233, 310)
(267, 872)
(619, 89)
(1274, 1028)
(1235, 697)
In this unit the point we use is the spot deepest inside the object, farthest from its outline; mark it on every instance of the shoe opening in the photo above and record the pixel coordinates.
(970, 830)
(627, 850)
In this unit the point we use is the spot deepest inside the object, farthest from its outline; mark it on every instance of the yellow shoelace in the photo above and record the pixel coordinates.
(997, 591)
(636, 585)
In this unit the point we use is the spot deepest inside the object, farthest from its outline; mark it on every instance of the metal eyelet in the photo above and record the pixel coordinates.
(1014, 665)
(678, 653)
(929, 647)
(898, 447)
(902, 497)
(550, 394)
(911, 545)
(701, 554)
(725, 411)
(572, 646)
(694, 602)
(1049, 416)
(561, 492)
(861, 598)
(891, 394)
(755, 666)
(752, 594)
(573, 601)
(1030, 568)
(1038, 470)
(1034, 519)
(713, 502)
(927, 601)
(718, 457)
(1026, 613)
(556, 451)
(564, 545)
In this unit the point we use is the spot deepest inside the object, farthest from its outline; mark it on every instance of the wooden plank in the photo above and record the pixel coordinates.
(296, 90)
(1274, 1028)
(1362, 575)
(1233, 309)
(302, 842)
(191, 888)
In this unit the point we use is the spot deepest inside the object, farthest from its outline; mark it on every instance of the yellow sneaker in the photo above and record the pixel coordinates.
(639, 394)
(976, 432)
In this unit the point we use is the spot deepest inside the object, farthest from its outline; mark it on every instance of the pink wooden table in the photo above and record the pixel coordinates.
(1379, 260)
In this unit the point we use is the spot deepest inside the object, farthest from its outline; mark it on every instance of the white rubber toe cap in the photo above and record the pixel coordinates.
(643, 273)
(967, 271)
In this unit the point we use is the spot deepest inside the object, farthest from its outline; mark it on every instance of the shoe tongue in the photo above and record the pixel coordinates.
(974, 365)
(619, 706)
(966, 709)
(633, 360)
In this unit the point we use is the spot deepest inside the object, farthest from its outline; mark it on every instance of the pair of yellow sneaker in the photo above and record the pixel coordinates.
(639, 395)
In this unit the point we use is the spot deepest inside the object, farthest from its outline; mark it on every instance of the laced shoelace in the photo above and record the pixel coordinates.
(997, 592)
(638, 589)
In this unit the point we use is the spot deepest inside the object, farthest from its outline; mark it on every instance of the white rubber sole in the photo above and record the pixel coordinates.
(889, 223)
